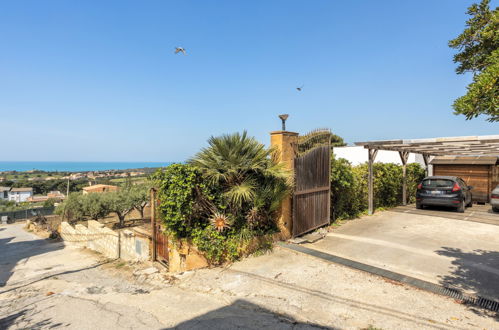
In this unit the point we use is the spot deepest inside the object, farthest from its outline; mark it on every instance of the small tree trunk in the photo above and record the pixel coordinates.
(121, 217)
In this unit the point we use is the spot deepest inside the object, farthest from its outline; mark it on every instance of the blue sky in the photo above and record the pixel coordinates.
(98, 80)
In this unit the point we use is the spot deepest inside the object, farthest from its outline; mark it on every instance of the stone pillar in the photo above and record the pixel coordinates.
(285, 142)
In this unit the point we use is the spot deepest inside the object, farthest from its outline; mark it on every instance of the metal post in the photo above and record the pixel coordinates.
(153, 222)
(404, 156)
(372, 157)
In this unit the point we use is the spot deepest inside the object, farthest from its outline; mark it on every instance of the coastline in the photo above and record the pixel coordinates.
(50, 166)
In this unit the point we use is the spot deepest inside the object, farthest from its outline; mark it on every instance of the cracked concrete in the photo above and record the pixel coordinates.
(57, 287)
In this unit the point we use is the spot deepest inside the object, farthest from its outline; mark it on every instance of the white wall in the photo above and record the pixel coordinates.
(19, 196)
(358, 155)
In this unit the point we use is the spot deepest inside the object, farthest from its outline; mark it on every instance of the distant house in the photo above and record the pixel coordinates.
(54, 195)
(99, 188)
(20, 195)
(4, 193)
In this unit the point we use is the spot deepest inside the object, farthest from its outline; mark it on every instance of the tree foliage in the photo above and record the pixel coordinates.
(98, 205)
(95, 205)
(478, 48)
(185, 199)
(73, 207)
(120, 202)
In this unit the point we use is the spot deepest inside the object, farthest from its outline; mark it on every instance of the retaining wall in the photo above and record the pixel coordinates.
(124, 244)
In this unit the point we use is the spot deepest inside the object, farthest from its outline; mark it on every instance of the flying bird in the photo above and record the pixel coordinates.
(299, 88)
(180, 50)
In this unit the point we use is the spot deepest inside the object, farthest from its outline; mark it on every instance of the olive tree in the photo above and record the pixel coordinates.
(95, 205)
(121, 203)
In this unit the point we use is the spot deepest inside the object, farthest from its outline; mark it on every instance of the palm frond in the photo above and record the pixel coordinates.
(240, 193)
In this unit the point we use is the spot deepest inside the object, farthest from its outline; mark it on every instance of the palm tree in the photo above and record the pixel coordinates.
(251, 179)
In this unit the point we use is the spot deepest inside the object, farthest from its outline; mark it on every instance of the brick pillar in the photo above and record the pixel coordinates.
(285, 142)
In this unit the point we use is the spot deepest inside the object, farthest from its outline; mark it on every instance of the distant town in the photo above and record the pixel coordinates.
(37, 188)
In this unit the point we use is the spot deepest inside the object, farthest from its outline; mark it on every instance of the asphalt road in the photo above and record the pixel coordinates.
(47, 286)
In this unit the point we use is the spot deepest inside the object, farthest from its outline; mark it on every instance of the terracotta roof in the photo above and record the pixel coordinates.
(99, 186)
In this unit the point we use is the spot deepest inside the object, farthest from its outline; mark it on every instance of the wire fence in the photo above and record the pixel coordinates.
(13, 216)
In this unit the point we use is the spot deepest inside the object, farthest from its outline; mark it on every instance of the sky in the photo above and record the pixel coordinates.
(99, 81)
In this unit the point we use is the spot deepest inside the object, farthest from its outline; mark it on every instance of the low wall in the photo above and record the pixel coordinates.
(124, 244)
(184, 256)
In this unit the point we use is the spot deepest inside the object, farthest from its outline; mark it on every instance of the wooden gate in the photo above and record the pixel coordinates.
(161, 245)
(312, 196)
(159, 238)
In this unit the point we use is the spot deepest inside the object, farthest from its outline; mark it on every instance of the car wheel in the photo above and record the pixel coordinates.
(495, 209)
(470, 204)
(419, 206)
(460, 208)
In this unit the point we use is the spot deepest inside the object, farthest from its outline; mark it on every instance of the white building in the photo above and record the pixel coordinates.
(358, 155)
(4, 193)
(19, 195)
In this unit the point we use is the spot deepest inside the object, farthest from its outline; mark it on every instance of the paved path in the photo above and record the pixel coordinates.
(477, 213)
(48, 286)
(437, 249)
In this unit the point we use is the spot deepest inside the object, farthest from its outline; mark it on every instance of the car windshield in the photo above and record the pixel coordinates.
(437, 183)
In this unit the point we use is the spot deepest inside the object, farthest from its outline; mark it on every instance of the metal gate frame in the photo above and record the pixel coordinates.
(312, 194)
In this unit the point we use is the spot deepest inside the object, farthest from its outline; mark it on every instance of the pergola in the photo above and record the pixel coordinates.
(486, 145)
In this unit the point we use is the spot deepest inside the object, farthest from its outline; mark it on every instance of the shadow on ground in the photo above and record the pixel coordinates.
(24, 320)
(476, 271)
(12, 252)
(242, 314)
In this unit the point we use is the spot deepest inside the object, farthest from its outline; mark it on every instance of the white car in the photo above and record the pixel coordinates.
(494, 199)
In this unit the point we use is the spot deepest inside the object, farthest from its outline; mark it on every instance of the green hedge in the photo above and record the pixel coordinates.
(349, 186)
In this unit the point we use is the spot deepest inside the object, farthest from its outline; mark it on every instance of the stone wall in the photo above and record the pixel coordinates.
(124, 244)
(184, 256)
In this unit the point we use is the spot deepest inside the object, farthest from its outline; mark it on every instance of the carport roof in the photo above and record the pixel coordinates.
(485, 145)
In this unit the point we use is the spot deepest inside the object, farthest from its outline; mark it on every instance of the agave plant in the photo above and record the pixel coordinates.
(248, 173)
(220, 221)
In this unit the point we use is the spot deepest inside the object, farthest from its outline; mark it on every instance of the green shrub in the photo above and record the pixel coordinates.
(185, 199)
(415, 174)
(349, 186)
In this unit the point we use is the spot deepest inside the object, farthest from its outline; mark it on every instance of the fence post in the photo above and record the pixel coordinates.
(404, 157)
(153, 222)
(370, 180)
(285, 142)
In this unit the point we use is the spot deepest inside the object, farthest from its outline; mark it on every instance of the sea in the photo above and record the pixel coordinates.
(76, 166)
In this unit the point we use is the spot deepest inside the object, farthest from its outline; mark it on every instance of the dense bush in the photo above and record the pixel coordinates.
(349, 187)
(225, 198)
(186, 201)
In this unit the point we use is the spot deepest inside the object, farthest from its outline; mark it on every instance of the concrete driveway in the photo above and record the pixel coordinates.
(439, 246)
